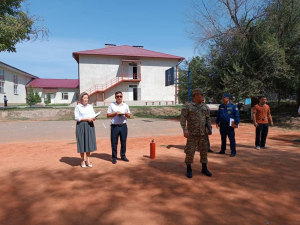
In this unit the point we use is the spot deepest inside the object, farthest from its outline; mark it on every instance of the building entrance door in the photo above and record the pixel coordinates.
(133, 93)
(50, 96)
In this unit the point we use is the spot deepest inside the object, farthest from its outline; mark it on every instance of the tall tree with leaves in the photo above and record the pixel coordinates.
(31, 98)
(17, 25)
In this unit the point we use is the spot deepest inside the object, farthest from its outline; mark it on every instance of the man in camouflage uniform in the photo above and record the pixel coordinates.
(194, 116)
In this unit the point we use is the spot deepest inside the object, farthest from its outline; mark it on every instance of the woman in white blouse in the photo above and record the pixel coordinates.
(85, 130)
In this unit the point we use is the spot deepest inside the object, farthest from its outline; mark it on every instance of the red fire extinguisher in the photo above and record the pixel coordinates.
(152, 150)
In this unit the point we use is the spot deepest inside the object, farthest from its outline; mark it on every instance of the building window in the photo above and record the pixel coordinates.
(15, 89)
(15, 79)
(64, 96)
(2, 75)
(1, 87)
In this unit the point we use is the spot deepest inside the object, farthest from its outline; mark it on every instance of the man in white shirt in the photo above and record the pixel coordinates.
(118, 111)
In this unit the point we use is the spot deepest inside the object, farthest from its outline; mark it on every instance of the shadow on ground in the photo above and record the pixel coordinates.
(249, 189)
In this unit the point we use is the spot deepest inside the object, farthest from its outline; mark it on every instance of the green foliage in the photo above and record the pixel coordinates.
(17, 25)
(37, 97)
(47, 101)
(31, 99)
(253, 56)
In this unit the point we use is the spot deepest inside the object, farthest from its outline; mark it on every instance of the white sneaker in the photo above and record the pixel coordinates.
(89, 165)
(257, 147)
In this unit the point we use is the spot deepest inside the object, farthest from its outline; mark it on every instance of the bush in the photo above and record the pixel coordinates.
(37, 97)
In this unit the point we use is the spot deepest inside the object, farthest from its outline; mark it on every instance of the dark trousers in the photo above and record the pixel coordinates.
(261, 134)
(115, 132)
(226, 130)
(5, 103)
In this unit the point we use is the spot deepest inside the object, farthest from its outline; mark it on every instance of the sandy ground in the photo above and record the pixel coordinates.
(42, 182)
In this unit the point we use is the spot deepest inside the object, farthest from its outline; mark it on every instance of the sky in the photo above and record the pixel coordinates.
(77, 25)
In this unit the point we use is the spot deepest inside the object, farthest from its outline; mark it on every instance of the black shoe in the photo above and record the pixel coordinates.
(221, 152)
(189, 171)
(205, 170)
(232, 154)
(114, 161)
(125, 159)
(209, 150)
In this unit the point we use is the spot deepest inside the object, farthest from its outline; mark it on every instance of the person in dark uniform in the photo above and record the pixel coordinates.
(5, 101)
(227, 111)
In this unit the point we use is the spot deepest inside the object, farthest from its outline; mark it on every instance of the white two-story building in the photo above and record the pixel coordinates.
(137, 72)
(13, 83)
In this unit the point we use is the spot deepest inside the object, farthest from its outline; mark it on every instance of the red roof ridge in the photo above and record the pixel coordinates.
(138, 52)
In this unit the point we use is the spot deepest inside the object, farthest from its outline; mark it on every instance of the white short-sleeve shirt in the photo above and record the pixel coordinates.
(84, 112)
(123, 108)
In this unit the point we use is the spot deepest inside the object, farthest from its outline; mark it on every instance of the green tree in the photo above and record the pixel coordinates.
(31, 99)
(17, 25)
(37, 97)
(199, 77)
(253, 46)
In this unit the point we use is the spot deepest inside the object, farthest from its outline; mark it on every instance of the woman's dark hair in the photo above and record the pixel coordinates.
(83, 94)
(118, 92)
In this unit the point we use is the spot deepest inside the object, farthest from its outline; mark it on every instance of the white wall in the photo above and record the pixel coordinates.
(20, 97)
(100, 69)
(58, 95)
(97, 70)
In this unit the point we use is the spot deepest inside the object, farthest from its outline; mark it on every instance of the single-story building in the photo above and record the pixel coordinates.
(137, 72)
(58, 91)
(13, 83)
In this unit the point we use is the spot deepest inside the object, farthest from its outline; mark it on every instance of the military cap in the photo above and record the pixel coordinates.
(226, 96)
(197, 91)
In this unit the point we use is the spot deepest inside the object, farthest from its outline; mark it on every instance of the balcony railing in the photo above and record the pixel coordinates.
(113, 82)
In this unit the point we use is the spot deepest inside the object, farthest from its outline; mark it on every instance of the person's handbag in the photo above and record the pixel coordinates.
(208, 128)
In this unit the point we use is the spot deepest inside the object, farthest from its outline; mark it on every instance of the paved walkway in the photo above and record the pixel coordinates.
(65, 130)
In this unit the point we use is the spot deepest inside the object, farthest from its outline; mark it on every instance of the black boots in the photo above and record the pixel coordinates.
(189, 173)
(205, 170)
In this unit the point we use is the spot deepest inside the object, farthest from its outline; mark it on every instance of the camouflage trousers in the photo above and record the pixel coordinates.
(193, 142)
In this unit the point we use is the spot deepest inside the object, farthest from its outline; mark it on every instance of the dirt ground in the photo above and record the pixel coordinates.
(42, 183)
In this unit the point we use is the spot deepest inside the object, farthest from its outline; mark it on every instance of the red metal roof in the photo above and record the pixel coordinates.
(125, 50)
(54, 83)
(25, 73)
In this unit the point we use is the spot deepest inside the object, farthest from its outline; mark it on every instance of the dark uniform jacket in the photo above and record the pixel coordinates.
(227, 112)
(194, 117)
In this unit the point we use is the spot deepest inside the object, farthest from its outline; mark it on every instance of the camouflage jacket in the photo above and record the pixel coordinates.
(194, 117)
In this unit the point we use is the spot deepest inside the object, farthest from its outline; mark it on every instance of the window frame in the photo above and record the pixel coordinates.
(2, 76)
(2, 90)
(16, 79)
(63, 94)
(15, 89)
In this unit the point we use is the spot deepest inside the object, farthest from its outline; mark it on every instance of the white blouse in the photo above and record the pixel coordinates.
(84, 112)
